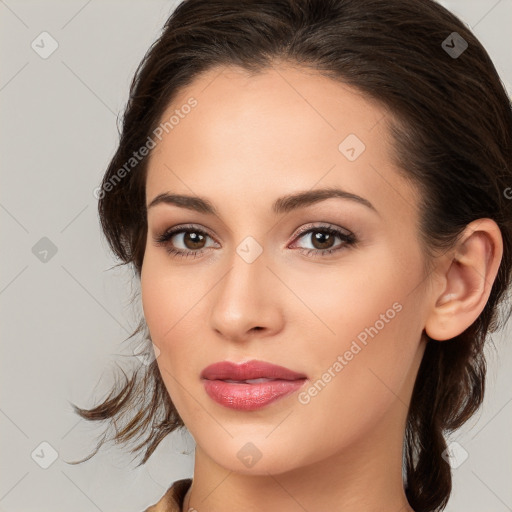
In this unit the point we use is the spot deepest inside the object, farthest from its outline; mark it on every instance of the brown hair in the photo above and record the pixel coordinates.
(452, 133)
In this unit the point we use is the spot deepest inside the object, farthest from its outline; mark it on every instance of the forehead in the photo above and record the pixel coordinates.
(234, 102)
(270, 133)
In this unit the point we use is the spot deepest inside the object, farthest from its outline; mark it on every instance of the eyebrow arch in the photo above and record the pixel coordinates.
(282, 205)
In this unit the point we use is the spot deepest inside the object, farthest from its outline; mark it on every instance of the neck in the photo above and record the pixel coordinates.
(365, 476)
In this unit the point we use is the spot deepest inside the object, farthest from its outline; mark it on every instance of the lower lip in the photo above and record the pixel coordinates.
(248, 397)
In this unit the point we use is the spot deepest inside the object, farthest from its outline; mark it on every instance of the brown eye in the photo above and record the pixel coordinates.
(322, 239)
(193, 240)
(183, 241)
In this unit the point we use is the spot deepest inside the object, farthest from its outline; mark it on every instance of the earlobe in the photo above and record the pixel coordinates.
(467, 280)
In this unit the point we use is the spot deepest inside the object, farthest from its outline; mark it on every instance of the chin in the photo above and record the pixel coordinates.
(254, 455)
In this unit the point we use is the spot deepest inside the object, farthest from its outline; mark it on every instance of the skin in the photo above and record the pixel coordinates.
(250, 140)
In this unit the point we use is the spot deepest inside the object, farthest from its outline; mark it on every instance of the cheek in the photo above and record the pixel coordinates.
(172, 313)
(370, 318)
(156, 304)
(357, 383)
(162, 309)
(341, 301)
(167, 296)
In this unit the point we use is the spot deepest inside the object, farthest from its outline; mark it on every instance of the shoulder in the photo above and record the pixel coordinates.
(172, 500)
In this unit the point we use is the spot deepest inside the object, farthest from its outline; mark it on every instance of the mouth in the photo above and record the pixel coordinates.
(247, 381)
(249, 370)
(250, 385)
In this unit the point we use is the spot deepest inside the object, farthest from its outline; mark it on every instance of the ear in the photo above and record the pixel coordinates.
(466, 276)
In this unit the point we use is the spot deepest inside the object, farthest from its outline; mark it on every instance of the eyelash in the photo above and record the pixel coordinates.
(349, 239)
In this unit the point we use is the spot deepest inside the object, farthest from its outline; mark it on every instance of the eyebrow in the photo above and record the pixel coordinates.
(282, 205)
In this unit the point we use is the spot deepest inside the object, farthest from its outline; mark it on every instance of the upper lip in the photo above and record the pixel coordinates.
(248, 370)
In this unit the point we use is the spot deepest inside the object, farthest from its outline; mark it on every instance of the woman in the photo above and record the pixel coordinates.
(323, 243)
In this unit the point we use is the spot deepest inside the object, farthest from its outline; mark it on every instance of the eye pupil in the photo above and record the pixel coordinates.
(323, 238)
(194, 237)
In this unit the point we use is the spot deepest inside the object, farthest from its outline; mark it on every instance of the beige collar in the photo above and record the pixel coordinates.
(172, 500)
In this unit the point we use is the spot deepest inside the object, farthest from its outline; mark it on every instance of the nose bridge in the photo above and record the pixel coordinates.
(247, 269)
(248, 259)
(242, 300)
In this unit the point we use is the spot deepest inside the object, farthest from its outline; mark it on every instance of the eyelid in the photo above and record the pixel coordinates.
(320, 225)
(178, 228)
(347, 238)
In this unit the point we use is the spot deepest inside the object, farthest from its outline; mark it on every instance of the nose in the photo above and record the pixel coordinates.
(247, 301)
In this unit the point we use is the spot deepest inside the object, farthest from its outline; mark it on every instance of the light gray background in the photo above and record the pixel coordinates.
(64, 321)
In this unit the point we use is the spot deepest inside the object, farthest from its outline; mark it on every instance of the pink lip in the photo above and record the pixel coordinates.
(248, 370)
(249, 396)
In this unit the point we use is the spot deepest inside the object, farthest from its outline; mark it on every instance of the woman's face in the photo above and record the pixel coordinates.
(259, 282)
